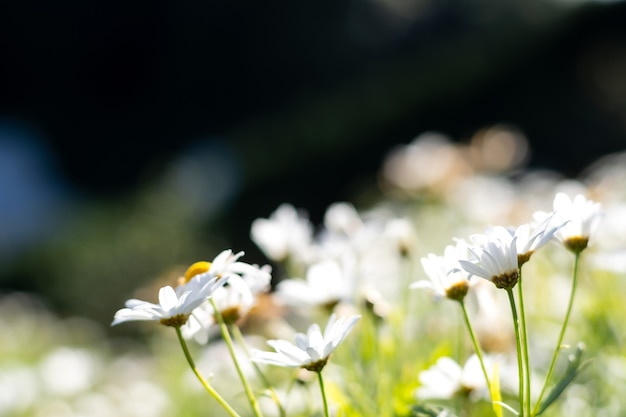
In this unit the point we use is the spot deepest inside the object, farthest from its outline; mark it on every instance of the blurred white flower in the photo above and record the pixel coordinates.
(431, 162)
(19, 389)
(311, 350)
(485, 199)
(579, 216)
(402, 232)
(447, 379)
(287, 233)
(68, 371)
(445, 276)
(326, 284)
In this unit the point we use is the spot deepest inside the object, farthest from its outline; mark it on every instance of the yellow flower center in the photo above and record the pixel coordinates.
(576, 244)
(230, 315)
(506, 280)
(175, 321)
(316, 366)
(197, 268)
(457, 291)
(523, 258)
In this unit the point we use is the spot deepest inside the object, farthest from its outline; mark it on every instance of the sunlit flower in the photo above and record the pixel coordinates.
(311, 350)
(445, 276)
(528, 237)
(286, 234)
(447, 379)
(233, 300)
(579, 217)
(173, 308)
(227, 263)
(493, 259)
(326, 284)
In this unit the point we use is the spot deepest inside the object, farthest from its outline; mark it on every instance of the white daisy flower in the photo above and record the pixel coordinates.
(233, 300)
(528, 237)
(287, 233)
(579, 216)
(327, 283)
(493, 259)
(173, 309)
(227, 263)
(311, 350)
(447, 379)
(445, 276)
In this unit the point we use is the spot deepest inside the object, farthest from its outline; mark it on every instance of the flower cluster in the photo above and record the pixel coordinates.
(359, 266)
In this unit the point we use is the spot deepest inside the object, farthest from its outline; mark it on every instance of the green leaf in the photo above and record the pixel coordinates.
(573, 368)
(424, 411)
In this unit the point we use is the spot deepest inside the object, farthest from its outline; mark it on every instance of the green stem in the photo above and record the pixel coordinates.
(203, 381)
(476, 345)
(239, 337)
(520, 361)
(561, 334)
(524, 339)
(321, 380)
(229, 343)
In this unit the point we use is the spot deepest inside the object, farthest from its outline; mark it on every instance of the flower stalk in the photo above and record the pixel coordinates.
(201, 378)
(524, 334)
(519, 349)
(254, 404)
(477, 348)
(320, 378)
(557, 349)
(239, 338)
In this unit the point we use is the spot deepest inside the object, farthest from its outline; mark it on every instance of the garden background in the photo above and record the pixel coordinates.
(137, 138)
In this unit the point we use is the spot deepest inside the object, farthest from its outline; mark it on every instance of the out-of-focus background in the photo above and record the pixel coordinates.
(139, 137)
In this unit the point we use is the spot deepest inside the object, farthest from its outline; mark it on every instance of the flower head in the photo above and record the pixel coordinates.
(579, 217)
(493, 259)
(327, 283)
(233, 300)
(445, 276)
(447, 379)
(174, 306)
(528, 237)
(311, 350)
(287, 233)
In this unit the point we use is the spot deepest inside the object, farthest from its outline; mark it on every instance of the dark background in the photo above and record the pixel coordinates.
(136, 137)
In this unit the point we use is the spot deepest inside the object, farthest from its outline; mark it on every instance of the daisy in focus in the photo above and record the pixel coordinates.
(528, 237)
(233, 300)
(175, 306)
(311, 350)
(493, 259)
